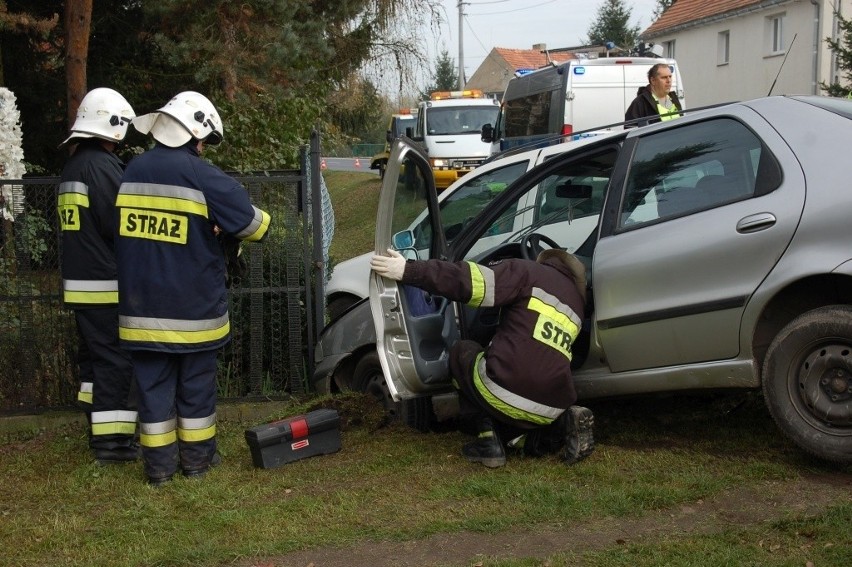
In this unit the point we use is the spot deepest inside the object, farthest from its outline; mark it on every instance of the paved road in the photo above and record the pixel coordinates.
(349, 164)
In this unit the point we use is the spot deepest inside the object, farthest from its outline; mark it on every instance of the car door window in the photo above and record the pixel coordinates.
(465, 203)
(409, 204)
(564, 205)
(693, 168)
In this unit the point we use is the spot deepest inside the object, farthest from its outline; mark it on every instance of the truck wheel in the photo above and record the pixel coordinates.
(369, 379)
(807, 382)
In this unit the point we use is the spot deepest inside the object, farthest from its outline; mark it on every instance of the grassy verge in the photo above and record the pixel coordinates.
(355, 197)
(390, 483)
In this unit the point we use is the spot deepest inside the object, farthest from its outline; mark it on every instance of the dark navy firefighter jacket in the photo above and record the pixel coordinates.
(171, 267)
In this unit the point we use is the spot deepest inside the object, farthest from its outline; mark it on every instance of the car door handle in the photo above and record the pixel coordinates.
(755, 223)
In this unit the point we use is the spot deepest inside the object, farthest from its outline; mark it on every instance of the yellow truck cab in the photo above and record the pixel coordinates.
(397, 126)
(449, 127)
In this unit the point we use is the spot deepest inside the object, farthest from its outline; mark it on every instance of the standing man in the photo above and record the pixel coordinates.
(656, 100)
(86, 207)
(173, 311)
(522, 379)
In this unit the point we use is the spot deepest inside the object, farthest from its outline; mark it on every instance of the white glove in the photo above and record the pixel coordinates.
(392, 266)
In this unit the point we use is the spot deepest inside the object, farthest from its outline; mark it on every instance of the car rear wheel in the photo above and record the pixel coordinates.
(369, 379)
(807, 382)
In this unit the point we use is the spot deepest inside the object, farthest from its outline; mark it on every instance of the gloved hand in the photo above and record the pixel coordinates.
(235, 265)
(391, 267)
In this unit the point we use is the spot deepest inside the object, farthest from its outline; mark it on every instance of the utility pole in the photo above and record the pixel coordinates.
(461, 43)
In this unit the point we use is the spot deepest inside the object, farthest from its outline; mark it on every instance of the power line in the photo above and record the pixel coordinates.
(508, 11)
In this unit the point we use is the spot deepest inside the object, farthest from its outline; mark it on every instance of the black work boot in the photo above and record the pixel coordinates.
(576, 424)
(487, 449)
(200, 472)
(118, 455)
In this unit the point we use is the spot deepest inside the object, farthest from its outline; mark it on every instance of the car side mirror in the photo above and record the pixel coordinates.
(403, 239)
(487, 133)
(389, 136)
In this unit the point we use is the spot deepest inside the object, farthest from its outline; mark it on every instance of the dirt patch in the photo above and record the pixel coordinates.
(736, 508)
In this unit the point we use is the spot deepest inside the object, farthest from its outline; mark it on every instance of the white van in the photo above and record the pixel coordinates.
(449, 128)
(574, 96)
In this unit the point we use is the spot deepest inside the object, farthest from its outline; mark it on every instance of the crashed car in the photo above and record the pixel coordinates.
(718, 253)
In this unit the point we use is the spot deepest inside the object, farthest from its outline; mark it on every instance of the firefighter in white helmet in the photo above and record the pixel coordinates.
(86, 207)
(173, 312)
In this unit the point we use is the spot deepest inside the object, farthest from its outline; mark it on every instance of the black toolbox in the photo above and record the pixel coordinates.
(294, 438)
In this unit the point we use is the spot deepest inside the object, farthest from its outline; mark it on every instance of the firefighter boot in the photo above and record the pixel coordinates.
(487, 449)
(576, 424)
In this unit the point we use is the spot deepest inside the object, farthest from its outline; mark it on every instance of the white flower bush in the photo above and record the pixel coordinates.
(11, 155)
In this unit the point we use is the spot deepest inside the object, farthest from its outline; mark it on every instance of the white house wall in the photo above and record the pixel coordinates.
(751, 71)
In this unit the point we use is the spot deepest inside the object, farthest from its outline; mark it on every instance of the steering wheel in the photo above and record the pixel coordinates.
(531, 245)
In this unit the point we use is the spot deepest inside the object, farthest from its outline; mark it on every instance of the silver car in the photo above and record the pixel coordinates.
(719, 255)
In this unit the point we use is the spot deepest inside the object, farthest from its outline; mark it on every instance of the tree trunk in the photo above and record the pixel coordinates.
(78, 23)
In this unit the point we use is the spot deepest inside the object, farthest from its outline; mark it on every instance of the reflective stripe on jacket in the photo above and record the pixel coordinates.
(171, 268)
(527, 363)
(85, 204)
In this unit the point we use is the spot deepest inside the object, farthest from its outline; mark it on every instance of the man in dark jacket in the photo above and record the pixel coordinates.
(656, 101)
(522, 379)
(86, 207)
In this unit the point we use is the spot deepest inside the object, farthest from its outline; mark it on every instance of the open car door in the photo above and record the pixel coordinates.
(414, 330)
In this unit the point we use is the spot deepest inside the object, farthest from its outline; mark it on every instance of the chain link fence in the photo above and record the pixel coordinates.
(275, 307)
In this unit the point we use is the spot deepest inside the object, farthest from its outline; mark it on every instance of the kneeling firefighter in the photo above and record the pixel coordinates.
(522, 379)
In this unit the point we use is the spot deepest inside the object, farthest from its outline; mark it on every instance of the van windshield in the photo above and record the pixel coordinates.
(451, 120)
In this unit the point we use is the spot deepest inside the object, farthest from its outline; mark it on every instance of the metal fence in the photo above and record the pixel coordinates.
(276, 308)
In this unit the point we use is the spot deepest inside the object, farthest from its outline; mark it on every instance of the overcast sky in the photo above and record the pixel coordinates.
(521, 23)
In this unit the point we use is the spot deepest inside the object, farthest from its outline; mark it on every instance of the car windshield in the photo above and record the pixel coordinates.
(459, 119)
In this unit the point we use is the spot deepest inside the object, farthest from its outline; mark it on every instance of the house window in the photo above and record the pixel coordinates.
(669, 49)
(775, 34)
(723, 48)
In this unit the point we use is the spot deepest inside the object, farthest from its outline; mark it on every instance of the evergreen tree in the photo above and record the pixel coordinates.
(842, 48)
(612, 24)
(662, 6)
(260, 62)
(444, 78)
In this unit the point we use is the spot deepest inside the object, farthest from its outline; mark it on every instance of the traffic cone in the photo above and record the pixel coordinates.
(357, 162)
(322, 164)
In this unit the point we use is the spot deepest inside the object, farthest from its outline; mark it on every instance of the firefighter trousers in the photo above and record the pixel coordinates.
(472, 405)
(106, 380)
(177, 410)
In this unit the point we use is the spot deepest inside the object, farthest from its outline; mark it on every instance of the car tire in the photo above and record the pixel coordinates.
(369, 379)
(807, 382)
(337, 306)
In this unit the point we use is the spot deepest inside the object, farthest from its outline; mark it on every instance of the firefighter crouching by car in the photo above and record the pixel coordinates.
(522, 379)
(86, 208)
(173, 312)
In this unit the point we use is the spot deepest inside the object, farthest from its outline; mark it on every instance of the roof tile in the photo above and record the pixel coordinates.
(529, 58)
(685, 11)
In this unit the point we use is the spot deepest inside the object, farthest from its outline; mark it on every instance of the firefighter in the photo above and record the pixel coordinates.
(522, 379)
(173, 310)
(86, 207)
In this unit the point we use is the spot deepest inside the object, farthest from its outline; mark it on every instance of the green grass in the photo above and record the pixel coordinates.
(390, 483)
(355, 198)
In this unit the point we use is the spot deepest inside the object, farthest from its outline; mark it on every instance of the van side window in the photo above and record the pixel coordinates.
(528, 116)
(716, 162)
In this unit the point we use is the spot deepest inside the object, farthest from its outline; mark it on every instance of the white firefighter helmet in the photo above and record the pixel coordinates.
(188, 115)
(103, 113)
